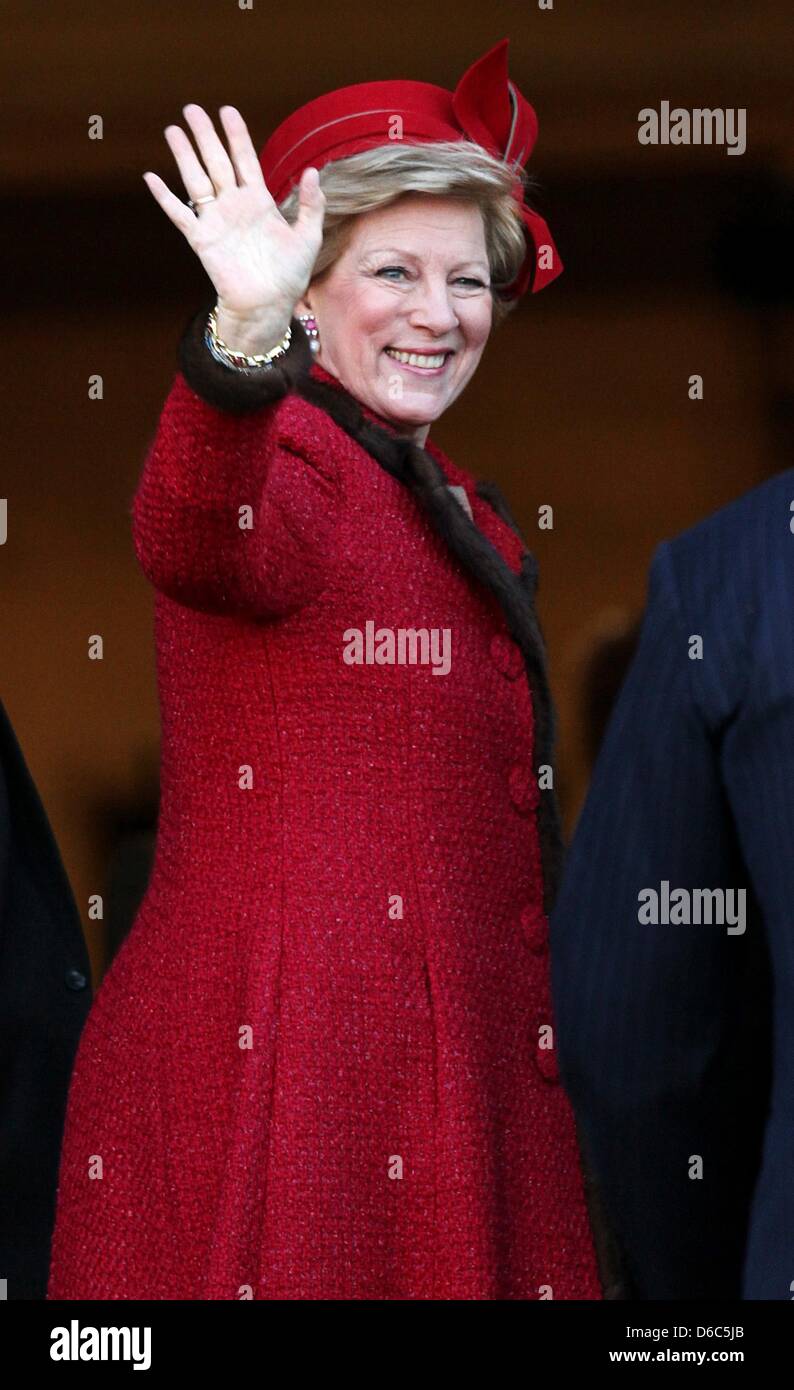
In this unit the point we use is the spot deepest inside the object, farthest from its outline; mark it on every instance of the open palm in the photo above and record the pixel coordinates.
(259, 263)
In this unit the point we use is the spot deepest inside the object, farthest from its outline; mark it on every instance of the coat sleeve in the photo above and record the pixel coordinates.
(231, 514)
(660, 1031)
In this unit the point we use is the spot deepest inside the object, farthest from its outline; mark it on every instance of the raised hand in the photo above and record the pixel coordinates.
(259, 264)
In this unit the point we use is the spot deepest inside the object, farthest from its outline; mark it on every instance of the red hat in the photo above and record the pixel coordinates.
(485, 107)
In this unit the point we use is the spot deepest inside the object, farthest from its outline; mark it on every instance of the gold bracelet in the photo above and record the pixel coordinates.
(242, 360)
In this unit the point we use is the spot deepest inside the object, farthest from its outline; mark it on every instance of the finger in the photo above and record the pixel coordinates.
(311, 203)
(194, 176)
(212, 151)
(241, 148)
(180, 215)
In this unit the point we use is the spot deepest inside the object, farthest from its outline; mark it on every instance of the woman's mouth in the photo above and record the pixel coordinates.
(425, 363)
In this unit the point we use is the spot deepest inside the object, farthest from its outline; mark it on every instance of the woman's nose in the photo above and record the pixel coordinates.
(434, 308)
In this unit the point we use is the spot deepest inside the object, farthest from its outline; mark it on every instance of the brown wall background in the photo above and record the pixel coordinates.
(676, 263)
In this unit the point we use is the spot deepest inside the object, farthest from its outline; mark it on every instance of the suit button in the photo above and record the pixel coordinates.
(75, 979)
(535, 926)
(506, 656)
(524, 791)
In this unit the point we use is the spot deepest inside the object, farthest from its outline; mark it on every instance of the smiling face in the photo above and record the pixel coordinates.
(413, 279)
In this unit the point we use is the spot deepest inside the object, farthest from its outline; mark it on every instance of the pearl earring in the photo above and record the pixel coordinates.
(311, 330)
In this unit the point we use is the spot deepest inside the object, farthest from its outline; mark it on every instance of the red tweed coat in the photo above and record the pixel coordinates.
(322, 1064)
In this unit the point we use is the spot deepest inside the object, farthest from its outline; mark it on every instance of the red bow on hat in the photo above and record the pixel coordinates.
(486, 107)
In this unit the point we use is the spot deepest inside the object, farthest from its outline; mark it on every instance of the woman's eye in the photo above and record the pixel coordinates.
(461, 280)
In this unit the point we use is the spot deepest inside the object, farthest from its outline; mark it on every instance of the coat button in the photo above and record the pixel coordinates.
(535, 925)
(546, 1059)
(506, 656)
(523, 787)
(75, 979)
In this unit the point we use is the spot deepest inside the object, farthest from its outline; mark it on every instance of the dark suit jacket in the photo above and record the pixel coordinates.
(45, 994)
(677, 1041)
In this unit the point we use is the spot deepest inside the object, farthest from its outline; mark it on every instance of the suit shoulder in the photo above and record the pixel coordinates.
(725, 572)
(743, 530)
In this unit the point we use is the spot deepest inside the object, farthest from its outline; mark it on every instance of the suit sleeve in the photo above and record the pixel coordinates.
(655, 1021)
(228, 517)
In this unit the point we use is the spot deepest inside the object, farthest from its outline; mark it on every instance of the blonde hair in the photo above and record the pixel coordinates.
(374, 178)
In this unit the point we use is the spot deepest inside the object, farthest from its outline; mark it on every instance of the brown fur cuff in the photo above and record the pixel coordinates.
(235, 391)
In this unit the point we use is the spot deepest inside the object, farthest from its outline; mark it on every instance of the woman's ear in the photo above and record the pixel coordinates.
(302, 307)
